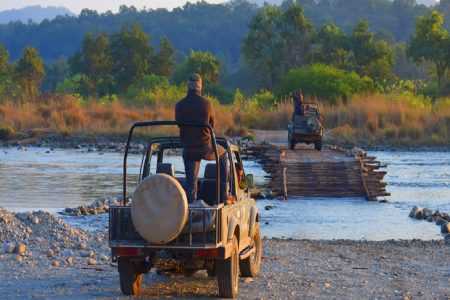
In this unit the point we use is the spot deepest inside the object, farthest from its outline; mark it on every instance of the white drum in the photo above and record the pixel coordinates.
(159, 208)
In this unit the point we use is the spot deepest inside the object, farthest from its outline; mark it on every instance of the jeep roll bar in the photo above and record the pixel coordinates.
(169, 123)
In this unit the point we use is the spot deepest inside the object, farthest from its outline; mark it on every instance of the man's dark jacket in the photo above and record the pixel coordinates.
(194, 107)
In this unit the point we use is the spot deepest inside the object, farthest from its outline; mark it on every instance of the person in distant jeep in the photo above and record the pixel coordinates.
(298, 103)
(196, 141)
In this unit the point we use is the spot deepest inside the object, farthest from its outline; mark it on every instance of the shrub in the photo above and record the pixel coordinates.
(324, 82)
(6, 133)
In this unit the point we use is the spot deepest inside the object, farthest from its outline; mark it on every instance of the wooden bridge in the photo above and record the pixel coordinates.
(333, 172)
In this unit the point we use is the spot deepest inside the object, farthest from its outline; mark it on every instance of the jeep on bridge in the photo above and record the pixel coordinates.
(224, 239)
(306, 128)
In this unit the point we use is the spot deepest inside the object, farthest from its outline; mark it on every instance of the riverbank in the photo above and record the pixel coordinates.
(290, 269)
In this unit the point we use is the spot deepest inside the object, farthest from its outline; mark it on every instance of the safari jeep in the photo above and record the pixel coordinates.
(306, 128)
(224, 239)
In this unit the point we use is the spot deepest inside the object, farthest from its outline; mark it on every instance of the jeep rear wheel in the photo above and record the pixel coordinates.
(250, 266)
(130, 280)
(318, 145)
(228, 273)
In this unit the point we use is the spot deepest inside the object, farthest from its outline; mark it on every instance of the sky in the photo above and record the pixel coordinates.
(99, 5)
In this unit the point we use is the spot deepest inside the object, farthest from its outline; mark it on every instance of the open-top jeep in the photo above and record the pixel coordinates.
(224, 239)
(306, 128)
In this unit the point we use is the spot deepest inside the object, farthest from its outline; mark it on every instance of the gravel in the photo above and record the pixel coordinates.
(290, 269)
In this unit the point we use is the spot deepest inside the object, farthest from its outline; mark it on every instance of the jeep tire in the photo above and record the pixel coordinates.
(228, 273)
(250, 265)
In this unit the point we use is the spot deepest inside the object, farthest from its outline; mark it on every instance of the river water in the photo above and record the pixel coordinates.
(32, 179)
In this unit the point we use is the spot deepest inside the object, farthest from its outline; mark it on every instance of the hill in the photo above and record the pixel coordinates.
(36, 13)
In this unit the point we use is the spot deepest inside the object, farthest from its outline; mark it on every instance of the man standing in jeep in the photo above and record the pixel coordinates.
(298, 103)
(196, 141)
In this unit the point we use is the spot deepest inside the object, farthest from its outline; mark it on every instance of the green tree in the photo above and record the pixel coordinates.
(95, 61)
(431, 42)
(203, 63)
(332, 46)
(132, 54)
(262, 47)
(163, 61)
(29, 72)
(297, 34)
(370, 57)
(5, 70)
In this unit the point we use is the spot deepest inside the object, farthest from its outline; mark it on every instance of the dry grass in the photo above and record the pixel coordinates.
(374, 119)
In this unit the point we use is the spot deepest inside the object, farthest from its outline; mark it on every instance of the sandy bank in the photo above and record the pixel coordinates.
(290, 269)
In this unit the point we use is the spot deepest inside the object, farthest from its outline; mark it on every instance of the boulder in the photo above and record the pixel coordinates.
(50, 253)
(55, 263)
(9, 247)
(430, 219)
(447, 239)
(427, 212)
(35, 220)
(445, 228)
(440, 221)
(91, 261)
(416, 212)
(19, 258)
(20, 249)
(81, 245)
(88, 253)
(69, 260)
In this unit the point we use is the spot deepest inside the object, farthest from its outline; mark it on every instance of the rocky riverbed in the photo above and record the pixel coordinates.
(42, 256)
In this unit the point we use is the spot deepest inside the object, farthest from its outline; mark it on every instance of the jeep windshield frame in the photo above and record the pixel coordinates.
(169, 123)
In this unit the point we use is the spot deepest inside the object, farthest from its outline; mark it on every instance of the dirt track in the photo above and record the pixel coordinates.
(290, 270)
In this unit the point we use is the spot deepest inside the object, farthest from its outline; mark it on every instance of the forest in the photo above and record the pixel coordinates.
(380, 69)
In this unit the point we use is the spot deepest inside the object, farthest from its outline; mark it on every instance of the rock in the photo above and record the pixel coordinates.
(55, 246)
(91, 261)
(440, 221)
(248, 280)
(68, 210)
(81, 245)
(445, 228)
(9, 247)
(19, 258)
(269, 207)
(55, 263)
(327, 285)
(84, 210)
(427, 212)
(67, 253)
(50, 253)
(105, 258)
(77, 147)
(23, 216)
(430, 219)
(88, 253)
(416, 212)
(35, 220)
(20, 248)
(28, 230)
(447, 240)
(445, 216)
(69, 260)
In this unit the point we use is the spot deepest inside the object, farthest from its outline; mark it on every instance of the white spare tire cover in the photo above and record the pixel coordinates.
(159, 208)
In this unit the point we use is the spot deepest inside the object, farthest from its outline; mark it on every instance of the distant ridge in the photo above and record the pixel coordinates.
(36, 13)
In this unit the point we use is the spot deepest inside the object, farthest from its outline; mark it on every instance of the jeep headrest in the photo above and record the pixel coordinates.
(165, 168)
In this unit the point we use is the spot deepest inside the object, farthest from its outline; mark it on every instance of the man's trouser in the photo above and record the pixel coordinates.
(192, 167)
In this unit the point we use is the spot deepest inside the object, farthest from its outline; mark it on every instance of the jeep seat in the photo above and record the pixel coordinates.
(208, 189)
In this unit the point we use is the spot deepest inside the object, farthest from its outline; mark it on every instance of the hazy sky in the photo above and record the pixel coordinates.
(100, 5)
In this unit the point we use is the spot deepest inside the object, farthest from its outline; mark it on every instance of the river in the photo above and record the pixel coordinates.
(37, 178)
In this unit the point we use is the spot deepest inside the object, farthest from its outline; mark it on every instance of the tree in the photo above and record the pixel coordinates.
(95, 61)
(431, 42)
(5, 69)
(163, 61)
(132, 54)
(370, 57)
(333, 49)
(297, 34)
(203, 63)
(29, 73)
(262, 46)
